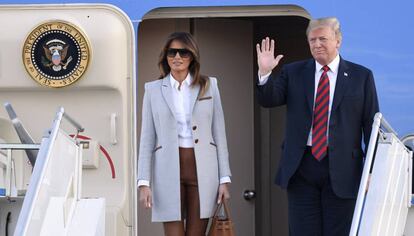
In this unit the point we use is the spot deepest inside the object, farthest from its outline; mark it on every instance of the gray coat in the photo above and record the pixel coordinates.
(158, 153)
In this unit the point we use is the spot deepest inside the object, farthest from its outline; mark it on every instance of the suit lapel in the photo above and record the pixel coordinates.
(309, 77)
(341, 84)
(166, 90)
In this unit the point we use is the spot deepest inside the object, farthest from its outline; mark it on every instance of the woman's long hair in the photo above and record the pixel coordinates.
(190, 44)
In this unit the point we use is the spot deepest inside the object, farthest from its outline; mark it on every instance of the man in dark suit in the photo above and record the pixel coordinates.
(330, 103)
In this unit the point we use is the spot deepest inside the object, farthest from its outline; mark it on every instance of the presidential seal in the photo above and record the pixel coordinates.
(56, 54)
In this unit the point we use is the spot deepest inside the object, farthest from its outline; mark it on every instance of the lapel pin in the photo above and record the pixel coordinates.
(345, 74)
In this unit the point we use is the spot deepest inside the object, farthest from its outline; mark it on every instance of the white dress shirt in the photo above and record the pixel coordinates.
(332, 74)
(182, 109)
(181, 100)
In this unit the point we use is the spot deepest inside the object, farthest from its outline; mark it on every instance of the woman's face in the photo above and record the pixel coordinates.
(178, 57)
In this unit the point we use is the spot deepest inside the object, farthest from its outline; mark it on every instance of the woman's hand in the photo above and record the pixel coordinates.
(145, 196)
(223, 193)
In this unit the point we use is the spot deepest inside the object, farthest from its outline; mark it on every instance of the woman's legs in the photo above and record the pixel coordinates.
(194, 225)
(174, 228)
(189, 194)
(190, 201)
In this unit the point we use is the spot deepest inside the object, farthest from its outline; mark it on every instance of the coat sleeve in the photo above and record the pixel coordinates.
(148, 138)
(219, 132)
(274, 91)
(370, 108)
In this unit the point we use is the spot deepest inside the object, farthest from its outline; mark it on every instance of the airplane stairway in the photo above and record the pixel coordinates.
(385, 193)
(52, 204)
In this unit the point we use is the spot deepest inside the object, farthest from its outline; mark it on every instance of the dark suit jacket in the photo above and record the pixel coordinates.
(354, 106)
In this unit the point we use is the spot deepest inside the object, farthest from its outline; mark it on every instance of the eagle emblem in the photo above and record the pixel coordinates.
(56, 54)
(55, 51)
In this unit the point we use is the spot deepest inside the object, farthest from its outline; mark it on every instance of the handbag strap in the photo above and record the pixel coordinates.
(226, 209)
(217, 210)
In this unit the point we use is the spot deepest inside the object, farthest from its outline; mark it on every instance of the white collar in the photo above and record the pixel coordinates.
(175, 84)
(333, 66)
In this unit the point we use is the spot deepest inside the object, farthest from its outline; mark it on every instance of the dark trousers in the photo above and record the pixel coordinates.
(190, 202)
(314, 209)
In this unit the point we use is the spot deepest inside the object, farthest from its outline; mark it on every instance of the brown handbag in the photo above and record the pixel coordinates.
(221, 226)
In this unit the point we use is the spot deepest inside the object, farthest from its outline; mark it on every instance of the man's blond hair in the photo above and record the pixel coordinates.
(331, 22)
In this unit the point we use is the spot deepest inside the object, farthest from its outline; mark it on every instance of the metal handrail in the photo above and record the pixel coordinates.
(19, 146)
(379, 124)
(10, 147)
(38, 171)
(78, 127)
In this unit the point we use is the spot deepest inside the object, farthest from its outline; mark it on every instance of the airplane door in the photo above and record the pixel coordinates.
(254, 134)
(226, 53)
(99, 93)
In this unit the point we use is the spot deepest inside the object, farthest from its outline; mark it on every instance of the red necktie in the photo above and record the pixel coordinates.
(320, 117)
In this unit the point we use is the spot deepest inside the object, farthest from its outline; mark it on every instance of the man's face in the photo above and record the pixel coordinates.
(323, 44)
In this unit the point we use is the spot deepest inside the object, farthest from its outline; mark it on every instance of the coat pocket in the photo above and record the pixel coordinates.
(205, 98)
(215, 145)
(157, 148)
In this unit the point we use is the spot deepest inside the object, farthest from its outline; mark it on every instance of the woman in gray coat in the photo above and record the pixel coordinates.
(183, 166)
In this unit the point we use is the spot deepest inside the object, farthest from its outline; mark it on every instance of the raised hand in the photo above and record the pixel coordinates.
(265, 56)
